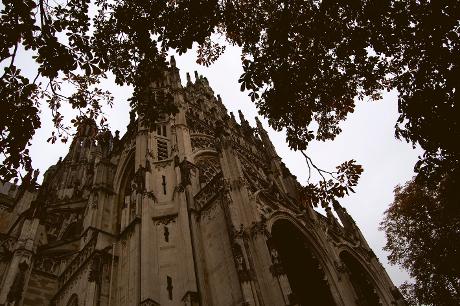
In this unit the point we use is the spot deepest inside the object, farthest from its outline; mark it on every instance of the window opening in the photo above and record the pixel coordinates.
(169, 287)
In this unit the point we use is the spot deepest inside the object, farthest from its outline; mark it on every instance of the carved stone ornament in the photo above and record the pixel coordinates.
(277, 269)
(164, 220)
(185, 172)
(95, 271)
(244, 273)
(16, 289)
(5, 252)
(139, 179)
(259, 227)
(237, 233)
(202, 142)
(149, 302)
(341, 268)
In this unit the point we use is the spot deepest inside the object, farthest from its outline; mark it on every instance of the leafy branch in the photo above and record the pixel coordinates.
(333, 184)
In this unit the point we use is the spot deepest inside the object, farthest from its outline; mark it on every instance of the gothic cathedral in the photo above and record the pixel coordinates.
(198, 211)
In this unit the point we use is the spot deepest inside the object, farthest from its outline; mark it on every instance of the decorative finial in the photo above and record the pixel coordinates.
(240, 114)
(189, 80)
(196, 76)
(172, 62)
(259, 124)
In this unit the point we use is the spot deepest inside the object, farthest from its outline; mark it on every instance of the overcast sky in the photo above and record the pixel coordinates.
(368, 137)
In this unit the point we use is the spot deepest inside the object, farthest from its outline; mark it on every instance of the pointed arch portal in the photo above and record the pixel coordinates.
(301, 266)
(361, 280)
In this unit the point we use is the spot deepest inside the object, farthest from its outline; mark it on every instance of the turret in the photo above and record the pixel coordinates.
(172, 61)
(83, 140)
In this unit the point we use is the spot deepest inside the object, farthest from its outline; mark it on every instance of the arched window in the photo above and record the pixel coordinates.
(127, 195)
(303, 269)
(361, 280)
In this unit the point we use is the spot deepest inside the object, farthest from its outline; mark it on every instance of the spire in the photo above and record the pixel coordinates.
(232, 116)
(172, 61)
(265, 139)
(242, 119)
(197, 77)
(189, 80)
(259, 125)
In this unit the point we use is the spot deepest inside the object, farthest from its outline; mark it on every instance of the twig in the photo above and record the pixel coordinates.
(320, 171)
(13, 56)
(36, 77)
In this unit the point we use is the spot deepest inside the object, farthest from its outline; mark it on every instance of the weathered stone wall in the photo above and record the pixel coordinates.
(219, 269)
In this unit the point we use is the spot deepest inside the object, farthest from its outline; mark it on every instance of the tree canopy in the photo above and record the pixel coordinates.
(304, 63)
(423, 235)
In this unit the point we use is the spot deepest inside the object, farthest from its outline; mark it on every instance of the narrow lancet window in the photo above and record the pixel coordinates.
(164, 183)
(169, 287)
(166, 233)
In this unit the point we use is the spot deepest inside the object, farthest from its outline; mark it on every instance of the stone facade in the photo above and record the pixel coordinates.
(199, 211)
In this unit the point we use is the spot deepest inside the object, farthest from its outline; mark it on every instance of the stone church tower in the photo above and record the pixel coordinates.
(199, 211)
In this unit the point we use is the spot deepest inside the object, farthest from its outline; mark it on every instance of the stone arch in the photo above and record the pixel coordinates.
(202, 154)
(73, 300)
(126, 164)
(305, 262)
(361, 279)
(124, 175)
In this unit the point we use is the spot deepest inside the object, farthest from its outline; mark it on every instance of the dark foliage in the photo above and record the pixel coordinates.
(423, 235)
(304, 64)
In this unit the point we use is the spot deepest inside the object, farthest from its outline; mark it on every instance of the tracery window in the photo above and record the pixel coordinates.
(208, 168)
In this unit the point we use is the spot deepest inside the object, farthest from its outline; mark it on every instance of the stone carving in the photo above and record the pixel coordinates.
(164, 220)
(277, 269)
(237, 233)
(139, 179)
(95, 270)
(244, 273)
(149, 302)
(185, 172)
(16, 289)
(47, 265)
(197, 125)
(5, 251)
(259, 228)
(340, 267)
(201, 142)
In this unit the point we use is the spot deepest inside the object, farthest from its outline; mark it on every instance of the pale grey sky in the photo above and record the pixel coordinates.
(368, 137)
